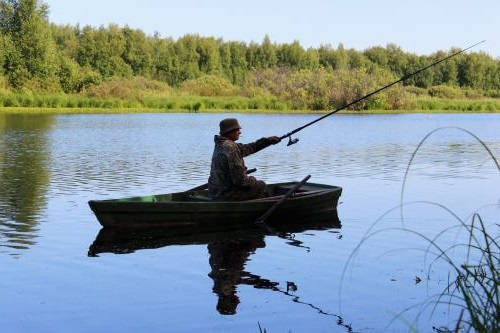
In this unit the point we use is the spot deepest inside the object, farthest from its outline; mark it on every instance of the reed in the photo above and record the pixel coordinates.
(474, 278)
(178, 103)
(460, 105)
(477, 282)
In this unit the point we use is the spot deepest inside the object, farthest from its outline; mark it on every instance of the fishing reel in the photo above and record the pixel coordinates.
(292, 141)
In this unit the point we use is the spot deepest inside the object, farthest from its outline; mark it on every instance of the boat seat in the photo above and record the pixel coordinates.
(303, 188)
(201, 197)
(198, 197)
(295, 195)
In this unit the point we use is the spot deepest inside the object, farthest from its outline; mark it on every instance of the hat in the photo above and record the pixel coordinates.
(229, 124)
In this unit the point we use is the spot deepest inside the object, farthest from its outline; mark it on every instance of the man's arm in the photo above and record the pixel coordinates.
(251, 148)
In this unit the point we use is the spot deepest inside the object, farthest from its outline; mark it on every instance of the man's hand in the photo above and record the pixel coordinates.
(274, 139)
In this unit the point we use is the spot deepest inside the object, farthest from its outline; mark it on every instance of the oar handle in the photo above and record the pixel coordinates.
(251, 171)
(263, 218)
(204, 186)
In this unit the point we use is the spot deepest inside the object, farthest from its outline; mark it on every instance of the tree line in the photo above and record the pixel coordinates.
(45, 57)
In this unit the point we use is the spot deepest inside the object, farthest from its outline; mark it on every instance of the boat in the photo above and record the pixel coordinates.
(195, 208)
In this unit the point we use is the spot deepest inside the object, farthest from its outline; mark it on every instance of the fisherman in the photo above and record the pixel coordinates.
(228, 175)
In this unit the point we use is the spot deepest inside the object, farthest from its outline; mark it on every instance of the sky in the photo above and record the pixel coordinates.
(420, 27)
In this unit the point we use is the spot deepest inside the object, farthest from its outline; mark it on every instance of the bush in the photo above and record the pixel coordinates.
(129, 89)
(442, 91)
(322, 89)
(417, 91)
(209, 85)
(473, 94)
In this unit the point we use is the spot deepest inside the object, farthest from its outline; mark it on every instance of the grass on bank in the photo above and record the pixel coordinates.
(177, 103)
(213, 94)
(25, 103)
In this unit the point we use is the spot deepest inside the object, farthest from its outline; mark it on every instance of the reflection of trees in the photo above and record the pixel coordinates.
(23, 176)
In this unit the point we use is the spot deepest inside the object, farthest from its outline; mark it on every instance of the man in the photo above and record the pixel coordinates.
(228, 176)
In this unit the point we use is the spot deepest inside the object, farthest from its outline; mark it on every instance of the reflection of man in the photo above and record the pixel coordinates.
(227, 260)
(228, 177)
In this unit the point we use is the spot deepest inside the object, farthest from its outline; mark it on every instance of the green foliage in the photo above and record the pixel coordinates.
(137, 51)
(188, 58)
(321, 89)
(66, 40)
(334, 59)
(209, 57)
(102, 50)
(112, 96)
(135, 88)
(442, 91)
(68, 75)
(416, 91)
(3, 52)
(31, 53)
(478, 282)
(464, 105)
(294, 56)
(46, 58)
(209, 85)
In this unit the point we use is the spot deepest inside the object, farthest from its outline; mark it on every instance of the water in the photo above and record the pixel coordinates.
(50, 166)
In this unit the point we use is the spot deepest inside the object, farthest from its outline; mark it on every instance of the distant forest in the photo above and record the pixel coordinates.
(41, 57)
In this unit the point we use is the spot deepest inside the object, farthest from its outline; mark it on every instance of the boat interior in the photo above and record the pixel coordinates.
(275, 192)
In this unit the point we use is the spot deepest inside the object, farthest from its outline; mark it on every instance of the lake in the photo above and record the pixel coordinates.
(52, 165)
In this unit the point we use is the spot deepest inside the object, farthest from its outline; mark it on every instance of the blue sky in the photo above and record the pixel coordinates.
(417, 26)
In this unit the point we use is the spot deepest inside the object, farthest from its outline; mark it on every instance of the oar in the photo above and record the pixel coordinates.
(204, 186)
(263, 218)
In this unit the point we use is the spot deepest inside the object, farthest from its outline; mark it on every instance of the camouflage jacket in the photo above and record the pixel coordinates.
(228, 173)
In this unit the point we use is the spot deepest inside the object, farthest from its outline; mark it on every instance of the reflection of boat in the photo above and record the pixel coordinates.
(123, 240)
(195, 208)
(228, 251)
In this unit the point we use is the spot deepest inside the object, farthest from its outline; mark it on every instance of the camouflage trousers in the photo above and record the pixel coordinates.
(256, 191)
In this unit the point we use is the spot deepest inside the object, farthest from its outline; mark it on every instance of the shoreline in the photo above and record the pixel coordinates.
(36, 110)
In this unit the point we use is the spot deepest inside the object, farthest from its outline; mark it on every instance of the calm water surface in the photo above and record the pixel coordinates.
(50, 166)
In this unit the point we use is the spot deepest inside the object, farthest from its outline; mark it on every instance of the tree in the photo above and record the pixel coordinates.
(185, 49)
(165, 61)
(225, 59)
(446, 72)
(66, 39)
(102, 50)
(26, 24)
(137, 51)
(266, 54)
(423, 79)
(4, 44)
(377, 55)
(331, 58)
(291, 55)
(209, 57)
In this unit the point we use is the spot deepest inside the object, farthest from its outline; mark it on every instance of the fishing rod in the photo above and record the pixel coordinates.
(294, 141)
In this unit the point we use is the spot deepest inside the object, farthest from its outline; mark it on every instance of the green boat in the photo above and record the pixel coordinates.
(195, 208)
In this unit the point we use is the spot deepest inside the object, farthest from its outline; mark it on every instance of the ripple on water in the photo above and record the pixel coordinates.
(17, 236)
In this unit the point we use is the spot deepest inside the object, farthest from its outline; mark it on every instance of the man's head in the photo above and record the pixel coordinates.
(230, 128)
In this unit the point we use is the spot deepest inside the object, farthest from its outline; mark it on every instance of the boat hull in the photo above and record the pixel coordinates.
(188, 211)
